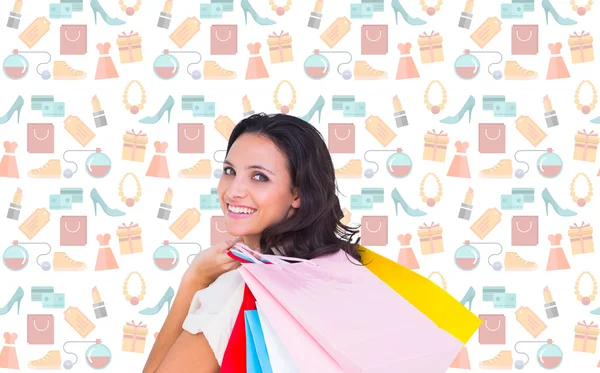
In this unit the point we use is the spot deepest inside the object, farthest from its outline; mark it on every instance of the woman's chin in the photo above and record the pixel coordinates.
(237, 231)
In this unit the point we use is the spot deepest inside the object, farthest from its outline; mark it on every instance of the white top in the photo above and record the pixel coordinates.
(214, 311)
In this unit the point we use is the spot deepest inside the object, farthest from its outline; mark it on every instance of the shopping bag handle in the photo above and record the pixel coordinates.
(235, 254)
(274, 259)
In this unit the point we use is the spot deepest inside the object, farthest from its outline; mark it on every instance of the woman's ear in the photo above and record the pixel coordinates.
(296, 201)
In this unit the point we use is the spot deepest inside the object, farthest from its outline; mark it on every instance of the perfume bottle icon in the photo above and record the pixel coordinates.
(166, 257)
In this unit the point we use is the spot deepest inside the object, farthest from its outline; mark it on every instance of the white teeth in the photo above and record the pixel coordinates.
(240, 210)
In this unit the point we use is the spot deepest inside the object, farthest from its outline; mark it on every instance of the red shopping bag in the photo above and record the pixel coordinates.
(234, 359)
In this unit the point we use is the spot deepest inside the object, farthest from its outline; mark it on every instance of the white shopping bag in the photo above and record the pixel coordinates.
(281, 361)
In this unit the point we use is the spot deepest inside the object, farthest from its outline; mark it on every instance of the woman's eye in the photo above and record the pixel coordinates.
(227, 169)
(264, 178)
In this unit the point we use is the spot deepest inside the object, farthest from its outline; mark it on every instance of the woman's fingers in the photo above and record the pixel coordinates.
(235, 265)
(225, 246)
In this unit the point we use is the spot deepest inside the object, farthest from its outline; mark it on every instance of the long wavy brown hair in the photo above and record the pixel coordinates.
(315, 229)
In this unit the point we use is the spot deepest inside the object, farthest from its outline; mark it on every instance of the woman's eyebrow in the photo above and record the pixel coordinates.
(254, 166)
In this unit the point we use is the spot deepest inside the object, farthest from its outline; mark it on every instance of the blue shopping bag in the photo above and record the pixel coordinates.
(257, 357)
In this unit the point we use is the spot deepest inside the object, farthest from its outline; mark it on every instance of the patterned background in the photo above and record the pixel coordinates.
(227, 96)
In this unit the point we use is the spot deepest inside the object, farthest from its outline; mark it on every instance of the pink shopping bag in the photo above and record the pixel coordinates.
(296, 339)
(361, 322)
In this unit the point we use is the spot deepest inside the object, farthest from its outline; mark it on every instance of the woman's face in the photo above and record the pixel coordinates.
(256, 184)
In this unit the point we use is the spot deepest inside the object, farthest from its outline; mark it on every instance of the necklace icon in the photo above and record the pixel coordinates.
(431, 201)
(435, 109)
(585, 109)
(583, 200)
(134, 109)
(585, 300)
(284, 108)
(130, 201)
(280, 10)
(582, 10)
(130, 10)
(134, 300)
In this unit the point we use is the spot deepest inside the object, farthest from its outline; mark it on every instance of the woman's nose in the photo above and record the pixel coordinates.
(237, 188)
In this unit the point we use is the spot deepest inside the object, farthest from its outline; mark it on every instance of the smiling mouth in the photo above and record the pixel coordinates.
(240, 211)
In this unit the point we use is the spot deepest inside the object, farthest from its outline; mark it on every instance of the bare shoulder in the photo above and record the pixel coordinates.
(190, 353)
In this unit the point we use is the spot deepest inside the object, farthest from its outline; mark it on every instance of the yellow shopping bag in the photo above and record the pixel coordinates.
(434, 302)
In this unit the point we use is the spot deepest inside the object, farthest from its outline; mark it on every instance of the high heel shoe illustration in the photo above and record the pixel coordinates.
(595, 120)
(407, 209)
(469, 296)
(97, 8)
(15, 107)
(559, 210)
(247, 8)
(398, 8)
(548, 8)
(319, 104)
(167, 106)
(107, 210)
(468, 106)
(170, 293)
(15, 298)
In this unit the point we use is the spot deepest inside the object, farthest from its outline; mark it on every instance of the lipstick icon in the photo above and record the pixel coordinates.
(99, 307)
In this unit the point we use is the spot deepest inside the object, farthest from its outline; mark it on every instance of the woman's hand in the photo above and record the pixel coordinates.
(210, 264)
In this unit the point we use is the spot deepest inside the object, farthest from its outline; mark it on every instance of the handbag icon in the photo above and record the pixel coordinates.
(524, 231)
(493, 330)
(190, 138)
(40, 329)
(223, 39)
(73, 230)
(374, 230)
(492, 138)
(341, 138)
(73, 39)
(524, 39)
(218, 230)
(40, 138)
(374, 39)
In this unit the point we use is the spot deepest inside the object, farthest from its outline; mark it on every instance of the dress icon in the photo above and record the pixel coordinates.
(557, 259)
(256, 67)
(406, 255)
(460, 164)
(106, 68)
(8, 164)
(557, 69)
(461, 361)
(158, 166)
(8, 356)
(106, 259)
(406, 66)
